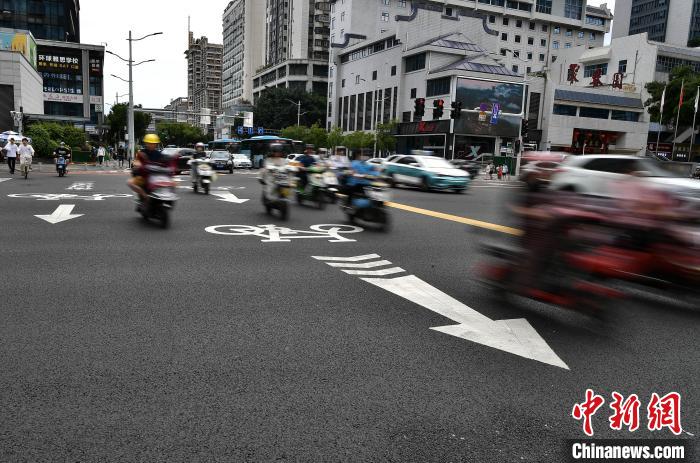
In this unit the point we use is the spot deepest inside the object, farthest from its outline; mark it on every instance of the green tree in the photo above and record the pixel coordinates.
(295, 132)
(179, 133)
(685, 76)
(42, 142)
(359, 140)
(274, 110)
(335, 138)
(317, 136)
(117, 120)
(386, 141)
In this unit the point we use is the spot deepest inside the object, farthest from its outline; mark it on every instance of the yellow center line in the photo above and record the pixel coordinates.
(458, 219)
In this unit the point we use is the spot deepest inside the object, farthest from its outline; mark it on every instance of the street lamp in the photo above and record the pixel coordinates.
(130, 62)
(299, 113)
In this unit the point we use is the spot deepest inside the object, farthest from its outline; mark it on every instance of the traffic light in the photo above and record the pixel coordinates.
(524, 128)
(438, 107)
(419, 108)
(456, 110)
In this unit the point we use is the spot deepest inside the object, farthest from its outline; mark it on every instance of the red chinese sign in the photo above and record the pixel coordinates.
(572, 75)
(662, 412)
(617, 80)
(595, 82)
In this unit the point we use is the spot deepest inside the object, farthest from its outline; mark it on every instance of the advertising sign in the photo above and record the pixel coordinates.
(20, 42)
(53, 60)
(495, 113)
(63, 97)
(473, 93)
(508, 126)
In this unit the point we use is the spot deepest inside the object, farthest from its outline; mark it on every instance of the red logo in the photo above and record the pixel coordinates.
(626, 412)
(571, 76)
(424, 127)
(587, 409)
(665, 412)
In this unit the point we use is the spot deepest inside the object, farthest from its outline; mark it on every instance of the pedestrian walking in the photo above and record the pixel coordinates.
(505, 172)
(500, 172)
(120, 155)
(489, 170)
(11, 154)
(101, 155)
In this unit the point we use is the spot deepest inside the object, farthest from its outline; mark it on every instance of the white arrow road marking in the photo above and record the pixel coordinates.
(229, 197)
(515, 336)
(377, 273)
(4, 179)
(378, 263)
(61, 214)
(348, 259)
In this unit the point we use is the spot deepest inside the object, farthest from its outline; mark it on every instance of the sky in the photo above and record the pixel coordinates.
(155, 84)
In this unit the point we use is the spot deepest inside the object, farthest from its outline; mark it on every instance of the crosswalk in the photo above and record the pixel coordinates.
(485, 183)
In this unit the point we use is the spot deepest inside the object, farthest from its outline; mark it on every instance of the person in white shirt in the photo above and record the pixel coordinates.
(505, 172)
(101, 154)
(11, 154)
(26, 152)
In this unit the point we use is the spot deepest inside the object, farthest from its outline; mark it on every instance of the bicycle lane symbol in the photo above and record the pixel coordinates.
(275, 234)
(70, 196)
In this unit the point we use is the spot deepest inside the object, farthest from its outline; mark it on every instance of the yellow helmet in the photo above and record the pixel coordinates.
(151, 138)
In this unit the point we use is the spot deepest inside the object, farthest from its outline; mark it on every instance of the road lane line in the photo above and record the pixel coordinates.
(458, 219)
(348, 259)
(375, 273)
(378, 263)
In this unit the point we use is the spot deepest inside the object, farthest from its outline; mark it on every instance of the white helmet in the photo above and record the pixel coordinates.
(199, 145)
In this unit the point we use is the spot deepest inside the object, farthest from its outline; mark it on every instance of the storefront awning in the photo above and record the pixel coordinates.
(598, 98)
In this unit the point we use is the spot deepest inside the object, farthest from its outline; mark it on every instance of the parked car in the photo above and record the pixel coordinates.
(601, 175)
(538, 167)
(183, 156)
(468, 166)
(241, 161)
(427, 172)
(221, 160)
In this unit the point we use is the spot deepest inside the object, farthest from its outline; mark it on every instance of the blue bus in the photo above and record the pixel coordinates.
(257, 148)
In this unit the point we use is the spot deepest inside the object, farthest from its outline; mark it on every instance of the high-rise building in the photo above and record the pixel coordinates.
(244, 50)
(296, 46)
(204, 74)
(386, 54)
(674, 22)
(57, 20)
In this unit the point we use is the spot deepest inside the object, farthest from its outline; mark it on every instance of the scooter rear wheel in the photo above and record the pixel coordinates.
(284, 211)
(206, 188)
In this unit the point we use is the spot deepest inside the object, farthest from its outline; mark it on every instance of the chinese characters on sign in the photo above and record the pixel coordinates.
(617, 80)
(55, 62)
(662, 412)
(595, 82)
(572, 75)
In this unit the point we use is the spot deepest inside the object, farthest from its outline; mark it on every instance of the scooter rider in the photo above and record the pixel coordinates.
(198, 154)
(64, 151)
(360, 169)
(149, 155)
(306, 160)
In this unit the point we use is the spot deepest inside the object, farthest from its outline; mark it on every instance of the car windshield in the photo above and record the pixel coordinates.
(220, 155)
(436, 163)
(169, 151)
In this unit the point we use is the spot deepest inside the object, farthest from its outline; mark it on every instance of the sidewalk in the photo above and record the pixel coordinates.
(51, 167)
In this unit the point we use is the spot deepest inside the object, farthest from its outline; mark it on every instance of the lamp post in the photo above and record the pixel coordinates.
(299, 113)
(130, 62)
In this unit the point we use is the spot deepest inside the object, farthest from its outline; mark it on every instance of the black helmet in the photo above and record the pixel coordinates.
(310, 147)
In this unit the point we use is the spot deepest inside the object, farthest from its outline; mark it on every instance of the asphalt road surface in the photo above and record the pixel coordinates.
(120, 341)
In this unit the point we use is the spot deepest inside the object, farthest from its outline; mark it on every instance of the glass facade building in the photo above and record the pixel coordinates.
(46, 19)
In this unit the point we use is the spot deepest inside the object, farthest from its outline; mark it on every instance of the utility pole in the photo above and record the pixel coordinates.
(132, 135)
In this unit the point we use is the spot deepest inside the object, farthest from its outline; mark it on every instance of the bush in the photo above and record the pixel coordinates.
(47, 135)
(41, 140)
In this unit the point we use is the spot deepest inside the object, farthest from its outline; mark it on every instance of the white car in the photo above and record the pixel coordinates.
(241, 161)
(600, 175)
(427, 172)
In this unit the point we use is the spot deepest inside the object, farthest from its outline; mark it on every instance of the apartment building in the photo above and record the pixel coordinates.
(204, 74)
(674, 22)
(244, 50)
(296, 46)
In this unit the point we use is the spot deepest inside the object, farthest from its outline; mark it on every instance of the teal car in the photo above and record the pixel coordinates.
(426, 172)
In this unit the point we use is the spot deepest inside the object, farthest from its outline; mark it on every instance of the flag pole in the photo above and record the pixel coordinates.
(692, 133)
(661, 116)
(678, 117)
